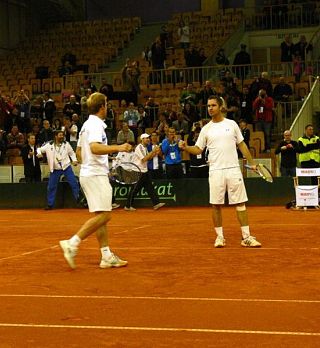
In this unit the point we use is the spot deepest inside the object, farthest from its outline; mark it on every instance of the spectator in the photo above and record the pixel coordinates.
(288, 149)
(188, 95)
(297, 66)
(32, 171)
(110, 122)
(49, 107)
(106, 89)
(184, 34)
(204, 94)
(83, 104)
(263, 107)
(72, 107)
(46, 133)
(245, 131)
(245, 102)
(181, 125)
(125, 135)
(22, 103)
(144, 119)
(59, 153)
(302, 47)
(198, 163)
(158, 56)
(155, 163)
(190, 115)
(282, 91)
(152, 109)
(172, 155)
(56, 125)
(88, 84)
(287, 50)
(131, 116)
(242, 58)
(15, 141)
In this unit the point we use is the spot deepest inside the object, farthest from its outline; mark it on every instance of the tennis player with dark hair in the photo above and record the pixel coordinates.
(141, 158)
(221, 137)
(94, 180)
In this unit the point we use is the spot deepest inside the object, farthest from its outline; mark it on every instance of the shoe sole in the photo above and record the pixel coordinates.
(251, 246)
(113, 266)
(69, 260)
(219, 246)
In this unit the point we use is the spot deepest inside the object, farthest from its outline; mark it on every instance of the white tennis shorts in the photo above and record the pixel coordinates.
(98, 192)
(227, 180)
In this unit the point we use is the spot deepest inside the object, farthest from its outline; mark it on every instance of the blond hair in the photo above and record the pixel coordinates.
(95, 101)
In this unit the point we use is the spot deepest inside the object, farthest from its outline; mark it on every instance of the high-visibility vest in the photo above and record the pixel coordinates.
(312, 154)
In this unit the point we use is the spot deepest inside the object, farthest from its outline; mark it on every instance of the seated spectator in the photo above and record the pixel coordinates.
(125, 135)
(57, 124)
(188, 95)
(88, 84)
(15, 141)
(160, 123)
(37, 108)
(46, 133)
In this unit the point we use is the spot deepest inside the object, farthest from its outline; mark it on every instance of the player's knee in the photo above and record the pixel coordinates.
(241, 207)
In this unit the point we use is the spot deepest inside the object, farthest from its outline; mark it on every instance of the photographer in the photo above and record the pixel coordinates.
(263, 106)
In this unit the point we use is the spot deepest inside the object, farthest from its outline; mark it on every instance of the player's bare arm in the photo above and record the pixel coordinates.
(194, 150)
(101, 149)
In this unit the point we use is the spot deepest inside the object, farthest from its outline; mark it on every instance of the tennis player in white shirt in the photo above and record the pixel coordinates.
(221, 136)
(94, 180)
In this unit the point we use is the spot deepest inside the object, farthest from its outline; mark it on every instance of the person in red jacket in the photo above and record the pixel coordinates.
(263, 106)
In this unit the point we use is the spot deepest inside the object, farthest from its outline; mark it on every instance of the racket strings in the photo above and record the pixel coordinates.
(265, 173)
(125, 174)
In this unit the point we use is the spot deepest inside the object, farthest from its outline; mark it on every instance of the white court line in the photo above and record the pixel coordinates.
(166, 329)
(157, 298)
(28, 253)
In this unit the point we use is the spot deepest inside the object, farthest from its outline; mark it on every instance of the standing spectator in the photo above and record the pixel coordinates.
(309, 150)
(189, 95)
(245, 102)
(222, 136)
(142, 156)
(297, 66)
(49, 107)
(303, 48)
(221, 59)
(283, 93)
(131, 116)
(106, 89)
(83, 104)
(155, 163)
(110, 122)
(158, 56)
(288, 149)
(190, 114)
(198, 163)
(94, 149)
(242, 58)
(181, 125)
(172, 155)
(22, 103)
(152, 109)
(32, 171)
(144, 119)
(287, 50)
(263, 107)
(245, 131)
(59, 153)
(184, 34)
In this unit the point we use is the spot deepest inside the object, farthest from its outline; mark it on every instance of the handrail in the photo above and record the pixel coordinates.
(305, 115)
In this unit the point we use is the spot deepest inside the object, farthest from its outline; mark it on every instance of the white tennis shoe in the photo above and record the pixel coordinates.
(112, 261)
(220, 242)
(129, 209)
(69, 252)
(250, 242)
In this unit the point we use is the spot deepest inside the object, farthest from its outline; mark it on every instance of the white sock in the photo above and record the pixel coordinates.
(219, 231)
(245, 232)
(75, 241)
(105, 252)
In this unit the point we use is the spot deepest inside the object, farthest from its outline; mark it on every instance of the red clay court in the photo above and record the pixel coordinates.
(177, 291)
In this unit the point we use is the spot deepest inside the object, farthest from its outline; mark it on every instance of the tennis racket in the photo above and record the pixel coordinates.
(125, 173)
(263, 171)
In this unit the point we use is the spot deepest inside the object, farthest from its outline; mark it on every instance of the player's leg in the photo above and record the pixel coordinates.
(217, 189)
(54, 178)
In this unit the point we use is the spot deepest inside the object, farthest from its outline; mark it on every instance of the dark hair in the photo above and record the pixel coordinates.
(308, 125)
(218, 99)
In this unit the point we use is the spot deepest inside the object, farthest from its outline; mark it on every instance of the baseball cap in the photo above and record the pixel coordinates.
(144, 136)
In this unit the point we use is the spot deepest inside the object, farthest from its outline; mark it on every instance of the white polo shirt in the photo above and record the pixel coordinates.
(93, 131)
(221, 139)
(141, 152)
